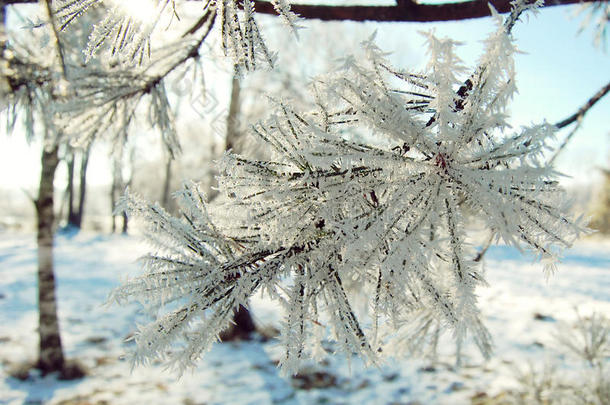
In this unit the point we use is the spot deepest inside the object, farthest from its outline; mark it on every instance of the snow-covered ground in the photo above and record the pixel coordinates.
(521, 308)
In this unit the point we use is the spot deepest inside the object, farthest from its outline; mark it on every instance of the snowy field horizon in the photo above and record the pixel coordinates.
(524, 311)
(18, 213)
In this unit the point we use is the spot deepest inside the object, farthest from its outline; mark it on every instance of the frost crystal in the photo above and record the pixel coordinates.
(330, 220)
(128, 26)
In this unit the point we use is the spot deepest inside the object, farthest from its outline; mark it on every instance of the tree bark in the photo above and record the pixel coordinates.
(404, 10)
(51, 356)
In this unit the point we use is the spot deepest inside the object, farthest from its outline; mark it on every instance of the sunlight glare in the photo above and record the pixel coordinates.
(144, 11)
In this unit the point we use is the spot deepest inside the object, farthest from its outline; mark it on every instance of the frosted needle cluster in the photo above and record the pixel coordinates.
(367, 195)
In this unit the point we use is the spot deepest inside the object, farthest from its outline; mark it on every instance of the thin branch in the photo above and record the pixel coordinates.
(405, 10)
(200, 23)
(208, 18)
(60, 51)
(484, 249)
(578, 118)
(578, 115)
(29, 196)
(565, 141)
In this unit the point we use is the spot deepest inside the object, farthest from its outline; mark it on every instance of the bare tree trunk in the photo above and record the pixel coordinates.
(113, 202)
(51, 356)
(76, 212)
(233, 117)
(243, 324)
(241, 328)
(119, 184)
(132, 168)
(82, 189)
(125, 223)
(115, 189)
(165, 195)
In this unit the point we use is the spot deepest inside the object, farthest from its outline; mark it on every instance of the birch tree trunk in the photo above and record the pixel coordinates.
(51, 356)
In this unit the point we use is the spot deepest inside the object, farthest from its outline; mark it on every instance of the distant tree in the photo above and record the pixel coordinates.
(69, 103)
(30, 87)
(601, 210)
(120, 183)
(74, 200)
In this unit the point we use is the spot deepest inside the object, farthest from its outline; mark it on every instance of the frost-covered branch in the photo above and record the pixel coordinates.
(330, 219)
(128, 37)
(27, 85)
(106, 100)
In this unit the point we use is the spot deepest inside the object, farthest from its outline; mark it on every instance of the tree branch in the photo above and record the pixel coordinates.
(578, 115)
(58, 46)
(564, 143)
(484, 248)
(405, 10)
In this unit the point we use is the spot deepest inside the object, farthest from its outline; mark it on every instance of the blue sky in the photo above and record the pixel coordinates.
(559, 71)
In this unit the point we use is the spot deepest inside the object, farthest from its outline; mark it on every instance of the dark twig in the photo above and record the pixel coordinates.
(483, 250)
(565, 142)
(578, 115)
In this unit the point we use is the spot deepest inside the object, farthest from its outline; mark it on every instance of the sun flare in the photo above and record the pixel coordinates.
(143, 11)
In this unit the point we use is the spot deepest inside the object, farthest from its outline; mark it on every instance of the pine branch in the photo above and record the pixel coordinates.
(346, 206)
